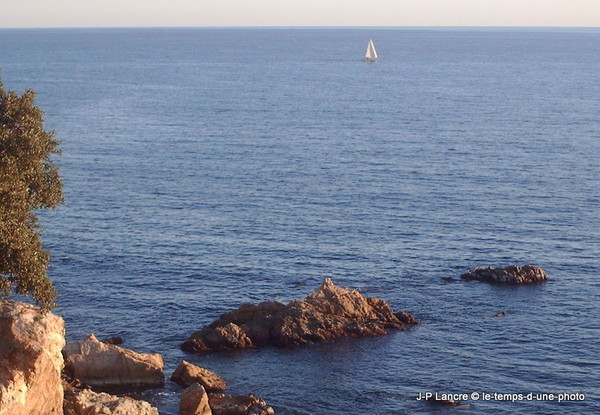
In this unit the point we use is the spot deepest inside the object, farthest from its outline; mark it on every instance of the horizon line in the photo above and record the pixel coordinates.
(302, 27)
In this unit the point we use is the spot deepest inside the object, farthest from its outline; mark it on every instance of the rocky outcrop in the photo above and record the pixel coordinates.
(87, 402)
(187, 374)
(238, 405)
(327, 313)
(525, 274)
(99, 364)
(30, 360)
(194, 401)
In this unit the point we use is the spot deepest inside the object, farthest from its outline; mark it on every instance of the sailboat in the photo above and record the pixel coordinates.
(371, 55)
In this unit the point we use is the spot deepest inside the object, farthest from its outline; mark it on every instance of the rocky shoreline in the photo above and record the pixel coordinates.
(41, 374)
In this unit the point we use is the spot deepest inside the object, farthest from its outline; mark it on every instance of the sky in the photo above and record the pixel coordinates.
(210, 13)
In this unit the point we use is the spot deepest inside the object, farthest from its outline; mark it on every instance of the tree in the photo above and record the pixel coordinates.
(29, 181)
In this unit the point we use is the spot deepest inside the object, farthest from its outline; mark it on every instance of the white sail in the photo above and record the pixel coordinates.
(371, 53)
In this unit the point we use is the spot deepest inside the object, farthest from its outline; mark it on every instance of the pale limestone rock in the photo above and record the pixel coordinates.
(194, 401)
(186, 374)
(99, 364)
(88, 402)
(30, 360)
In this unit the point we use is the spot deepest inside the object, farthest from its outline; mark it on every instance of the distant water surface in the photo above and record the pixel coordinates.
(205, 168)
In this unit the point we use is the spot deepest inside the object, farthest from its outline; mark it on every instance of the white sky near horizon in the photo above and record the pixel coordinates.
(210, 13)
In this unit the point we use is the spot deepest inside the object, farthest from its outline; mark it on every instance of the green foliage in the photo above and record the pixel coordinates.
(28, 181)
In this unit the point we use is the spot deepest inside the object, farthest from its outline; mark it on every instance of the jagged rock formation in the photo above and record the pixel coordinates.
(513, 274)
(99, 364)
(187, 374)
(327, 313)
(30, 360)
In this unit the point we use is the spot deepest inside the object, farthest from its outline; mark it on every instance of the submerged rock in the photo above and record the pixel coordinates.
(444, 402)
(99, 364)
(513, 274)
(113, 340)
(238, 405)
(30, 360)
(194, 401)
(187, 374)
(87, 402)
(327, 313)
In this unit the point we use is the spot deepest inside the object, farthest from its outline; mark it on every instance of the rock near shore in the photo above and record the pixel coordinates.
(327, 313)
(30, 360)
(194, 401)
(87, 402)
(99, 364)
(187, 374)
(525, 274)
(238, 405)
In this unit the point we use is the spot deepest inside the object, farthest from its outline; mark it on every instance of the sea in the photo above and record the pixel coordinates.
(205, 168)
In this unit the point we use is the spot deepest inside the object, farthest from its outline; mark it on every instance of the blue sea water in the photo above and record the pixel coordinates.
(205, 168)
